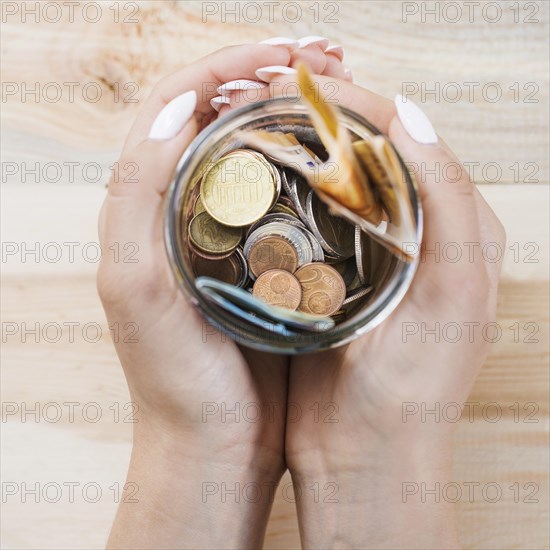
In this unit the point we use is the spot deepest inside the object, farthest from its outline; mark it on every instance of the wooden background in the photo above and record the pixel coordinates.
(384, 52)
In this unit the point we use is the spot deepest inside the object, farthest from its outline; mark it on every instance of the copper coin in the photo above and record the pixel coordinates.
(323, 289)
(229, 270)
(278, 288)
(272, 252)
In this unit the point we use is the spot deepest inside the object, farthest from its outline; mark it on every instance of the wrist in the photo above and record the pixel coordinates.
(189, 499)
(382, 483)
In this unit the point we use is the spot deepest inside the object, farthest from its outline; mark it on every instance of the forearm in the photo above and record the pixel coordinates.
(382, 499)
(175, 500)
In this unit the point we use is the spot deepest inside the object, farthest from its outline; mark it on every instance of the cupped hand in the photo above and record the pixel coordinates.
(381, 383)
(183, 377)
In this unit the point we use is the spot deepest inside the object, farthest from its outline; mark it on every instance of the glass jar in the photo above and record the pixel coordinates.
(391, 277)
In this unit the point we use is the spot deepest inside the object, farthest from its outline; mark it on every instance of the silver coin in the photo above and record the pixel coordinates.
(275, 217)
(335, 234)
(318, 252)
(374, 261)
(244, 266)
(357, 294)
(360, 256)
(298, 192)
(293, 234)
(285, 177)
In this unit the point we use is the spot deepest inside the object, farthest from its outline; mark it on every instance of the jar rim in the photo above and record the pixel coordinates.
(362, 322)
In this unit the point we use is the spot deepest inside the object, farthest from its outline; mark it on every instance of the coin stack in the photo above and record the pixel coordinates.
(260, 226)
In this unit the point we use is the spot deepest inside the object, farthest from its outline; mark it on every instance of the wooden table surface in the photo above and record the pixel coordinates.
(391, 46)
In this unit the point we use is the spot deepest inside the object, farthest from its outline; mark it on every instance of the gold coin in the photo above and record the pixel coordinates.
(198, 207)
(323, 289)
(210, 236)
(278, 288)
(272, 252)
(281, 208)
(238, 190)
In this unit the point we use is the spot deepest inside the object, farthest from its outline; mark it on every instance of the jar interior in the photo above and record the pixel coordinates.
(388, 276)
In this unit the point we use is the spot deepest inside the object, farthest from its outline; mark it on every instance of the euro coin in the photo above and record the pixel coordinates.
(323, 289)
(238, 190)
(272, 252)
(278, 288)
(211, 236)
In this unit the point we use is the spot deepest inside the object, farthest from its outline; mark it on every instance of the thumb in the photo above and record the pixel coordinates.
(143, 174)
(446, 191)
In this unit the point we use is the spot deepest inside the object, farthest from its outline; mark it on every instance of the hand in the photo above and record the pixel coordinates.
(371, 451)
(172, 370)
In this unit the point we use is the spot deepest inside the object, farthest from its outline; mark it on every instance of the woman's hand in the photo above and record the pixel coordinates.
(184, 377)
(374, 444)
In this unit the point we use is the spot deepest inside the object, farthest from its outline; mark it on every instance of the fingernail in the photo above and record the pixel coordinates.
(218, 101)
(241, 84)
(267, 73)
(415, 121)
(309, 40)
(336, 50)
(290, 43)
(348, 75)
(174, 116)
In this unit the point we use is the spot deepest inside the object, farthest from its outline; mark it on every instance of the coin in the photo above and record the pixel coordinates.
(373, 260)
(357, 294)
(335, 234)
(293, 234)
(323, 289)
(318, 253)
(298, 192)
(232, 270)
(198, 207)
(207, 255)
(275, 217)
(238, 189)
(360, 256)
(272, 252)
(271, 167)
(281, 208)
(212, 237)
(278, 288)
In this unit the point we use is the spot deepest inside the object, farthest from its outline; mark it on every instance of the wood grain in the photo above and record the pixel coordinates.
(390, 52)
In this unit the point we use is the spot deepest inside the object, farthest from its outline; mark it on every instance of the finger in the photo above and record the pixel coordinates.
(134, 202)
(205, 76)
(313, 57)
(334, 68)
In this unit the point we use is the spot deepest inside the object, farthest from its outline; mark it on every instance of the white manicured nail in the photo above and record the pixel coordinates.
(290, 43)
(336, 50)
(268, 73)
(171, 120)
(241, 84)
(415, 121)
(348, 75)
(309, 40)
(218, 101)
